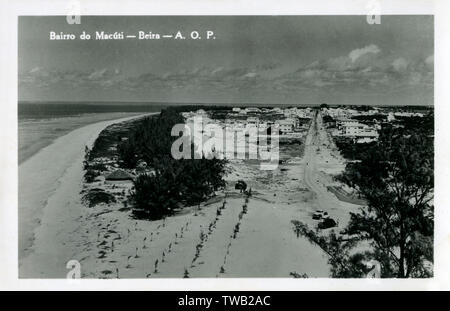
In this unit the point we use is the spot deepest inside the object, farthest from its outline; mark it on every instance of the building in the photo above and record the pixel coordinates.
(252, 109)
(295, 120)
(390, 117)
(408, 114)
(354, 129)
(285, 126)
(118, 177)
(253, 121)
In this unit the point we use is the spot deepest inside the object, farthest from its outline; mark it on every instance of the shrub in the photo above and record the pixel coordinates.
(155, 196)
(90, 175)
(96, 196)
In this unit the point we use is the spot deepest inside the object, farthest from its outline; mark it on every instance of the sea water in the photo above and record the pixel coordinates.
(39, 124)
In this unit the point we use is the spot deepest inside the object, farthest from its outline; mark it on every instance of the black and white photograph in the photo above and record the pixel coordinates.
(225, 146)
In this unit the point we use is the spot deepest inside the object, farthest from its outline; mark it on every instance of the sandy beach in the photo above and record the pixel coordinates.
(49, 187)
(198, 242)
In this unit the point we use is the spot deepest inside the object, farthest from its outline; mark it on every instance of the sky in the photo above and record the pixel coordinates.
(252, 59)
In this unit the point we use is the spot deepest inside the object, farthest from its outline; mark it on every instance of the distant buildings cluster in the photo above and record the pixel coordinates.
(348, 126)
(286, 120)
(362, 125)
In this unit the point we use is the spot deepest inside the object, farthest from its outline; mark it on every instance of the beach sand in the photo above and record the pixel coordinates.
(49, 187)
(197, 242)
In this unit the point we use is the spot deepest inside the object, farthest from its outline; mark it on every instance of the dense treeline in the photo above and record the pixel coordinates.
(411, 125)
(351, 150)
(172, 183)
(150, 140)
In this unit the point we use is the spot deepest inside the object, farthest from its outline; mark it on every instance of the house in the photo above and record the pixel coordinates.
(408, 114)
(365, 140)
(252, 109)
(295, 121)
(285, 126)
(119, 177)
(254, 121)
(354, 129)
(390, 117)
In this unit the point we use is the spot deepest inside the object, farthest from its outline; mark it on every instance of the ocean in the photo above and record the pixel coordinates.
(39, 124)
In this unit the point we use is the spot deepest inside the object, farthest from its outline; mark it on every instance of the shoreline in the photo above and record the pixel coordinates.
(42, 178)
(28, 151)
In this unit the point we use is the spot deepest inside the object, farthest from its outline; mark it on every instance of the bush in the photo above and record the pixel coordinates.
(155, 196)
(96, 196)
(98, 167)
(127, 154)
(90, 175)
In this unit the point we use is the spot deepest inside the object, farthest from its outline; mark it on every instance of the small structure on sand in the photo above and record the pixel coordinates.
(119, 177)
(240, 185)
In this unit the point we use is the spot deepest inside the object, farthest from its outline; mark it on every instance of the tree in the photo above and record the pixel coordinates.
(155, 195)
(127, 154)
(344, 263)
(175, 182)
(395, 177)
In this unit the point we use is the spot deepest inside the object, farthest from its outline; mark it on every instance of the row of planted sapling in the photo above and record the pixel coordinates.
(235, 230)
(204, 236)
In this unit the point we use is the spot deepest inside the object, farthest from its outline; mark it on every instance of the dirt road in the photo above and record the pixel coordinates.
(318, 153)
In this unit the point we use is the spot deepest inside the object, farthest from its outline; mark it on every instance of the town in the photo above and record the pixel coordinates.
(361, 124)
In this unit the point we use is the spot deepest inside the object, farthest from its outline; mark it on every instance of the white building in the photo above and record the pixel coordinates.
(285, 126)
(408, 114)
(252, 122)
(252, 109)
(390, 117)
(354, 129)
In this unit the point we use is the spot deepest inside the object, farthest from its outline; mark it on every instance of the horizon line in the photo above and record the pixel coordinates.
(209, 103)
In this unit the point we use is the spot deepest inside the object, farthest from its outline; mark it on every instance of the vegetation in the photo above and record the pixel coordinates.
(92, 170)
(104, 145)
(410, 125)
(90, 175)
(395, 177)
(351, 150)
(96, 196)
(328, 119)
(174, 182)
